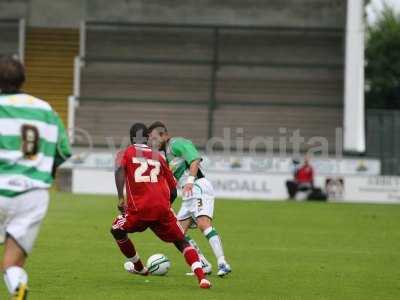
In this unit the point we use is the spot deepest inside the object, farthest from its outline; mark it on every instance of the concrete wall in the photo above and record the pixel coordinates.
(316, 13)
(56, 13)
(68, 13)
(45, 13)
(13, 9)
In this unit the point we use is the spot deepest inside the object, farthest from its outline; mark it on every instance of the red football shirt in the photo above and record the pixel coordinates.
(148, 181)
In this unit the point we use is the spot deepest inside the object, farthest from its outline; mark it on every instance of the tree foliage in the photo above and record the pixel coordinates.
(383, 61)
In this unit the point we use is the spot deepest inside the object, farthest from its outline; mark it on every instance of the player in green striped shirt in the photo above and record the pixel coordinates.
(197, 192)
(33, 143)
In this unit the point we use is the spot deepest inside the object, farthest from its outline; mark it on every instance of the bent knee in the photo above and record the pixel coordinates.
(118, 234)
(203, 222)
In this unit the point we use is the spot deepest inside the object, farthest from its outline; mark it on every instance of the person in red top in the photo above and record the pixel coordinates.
(150, 188)
(303, 179)
(305, 175)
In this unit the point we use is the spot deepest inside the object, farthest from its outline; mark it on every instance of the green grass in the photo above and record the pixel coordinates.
(277, 251)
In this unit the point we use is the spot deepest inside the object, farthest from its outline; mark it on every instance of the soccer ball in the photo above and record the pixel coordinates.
(158, 264)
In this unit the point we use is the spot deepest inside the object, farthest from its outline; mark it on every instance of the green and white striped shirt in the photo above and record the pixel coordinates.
(32, 141)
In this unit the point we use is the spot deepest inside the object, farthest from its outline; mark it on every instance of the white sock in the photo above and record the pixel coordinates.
(196, 265)
(13, 277)
(215, 243)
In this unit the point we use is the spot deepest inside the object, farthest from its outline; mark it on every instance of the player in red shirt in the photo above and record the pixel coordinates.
(150, 189)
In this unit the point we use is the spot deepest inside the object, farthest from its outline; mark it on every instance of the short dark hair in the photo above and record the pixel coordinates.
(157, 124)
(138, 133)
(12, 74)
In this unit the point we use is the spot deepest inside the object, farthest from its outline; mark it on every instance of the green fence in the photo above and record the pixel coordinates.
(383, 139)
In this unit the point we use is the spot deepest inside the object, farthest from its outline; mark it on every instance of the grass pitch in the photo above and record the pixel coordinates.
(278, 250)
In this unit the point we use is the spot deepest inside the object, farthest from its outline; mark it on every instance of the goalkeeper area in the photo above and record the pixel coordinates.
(279, 250)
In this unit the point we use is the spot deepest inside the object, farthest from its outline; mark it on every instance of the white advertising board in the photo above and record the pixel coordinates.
(248, 186)
(236, 185)
(226, 185)
(93, 181)
(249, 164)
(258, 177)
(374, 189)
(276, 165)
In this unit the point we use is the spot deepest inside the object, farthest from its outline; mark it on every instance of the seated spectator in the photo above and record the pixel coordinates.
(303, 179)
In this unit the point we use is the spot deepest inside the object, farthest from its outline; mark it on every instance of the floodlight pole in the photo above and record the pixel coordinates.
(354, 106)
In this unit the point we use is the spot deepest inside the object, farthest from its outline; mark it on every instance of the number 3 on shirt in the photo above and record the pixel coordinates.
(144, 166)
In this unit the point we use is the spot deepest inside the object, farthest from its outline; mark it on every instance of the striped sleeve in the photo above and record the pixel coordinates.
(63, 149)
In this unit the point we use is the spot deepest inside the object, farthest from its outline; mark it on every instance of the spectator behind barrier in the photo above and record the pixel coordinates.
(303, 178)
(304, 182)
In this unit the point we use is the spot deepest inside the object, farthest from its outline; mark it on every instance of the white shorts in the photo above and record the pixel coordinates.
(201, 203)
(21, 217)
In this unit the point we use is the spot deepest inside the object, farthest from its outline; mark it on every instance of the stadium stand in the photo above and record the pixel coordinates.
(49, 64)
(281, 46)
(9, 36)
(126, 42)
(94, 116)
(279, 85)
(265, 121)
(146, 81)
(198, 79)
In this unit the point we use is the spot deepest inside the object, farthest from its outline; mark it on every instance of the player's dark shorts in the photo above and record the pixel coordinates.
(167, 228)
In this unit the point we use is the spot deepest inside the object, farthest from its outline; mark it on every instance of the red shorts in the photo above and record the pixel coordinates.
(166, 228)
